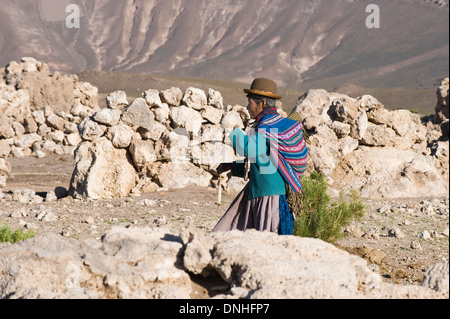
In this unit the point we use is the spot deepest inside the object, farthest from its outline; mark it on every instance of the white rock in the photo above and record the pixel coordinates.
(91, 130)
(230, 120)
(172, 96)
(162, 113)
(152, 98)
(24, 195)
(120, 135)
(215, 99)
(109, 117)
(142, 152)
(138, 114)
(195, 98)
(110, 175)
(185, 117)
(117, 100)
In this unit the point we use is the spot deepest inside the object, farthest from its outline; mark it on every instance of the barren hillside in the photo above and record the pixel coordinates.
(324, 43)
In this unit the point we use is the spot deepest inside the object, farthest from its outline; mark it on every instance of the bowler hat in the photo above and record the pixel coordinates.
(263, 87)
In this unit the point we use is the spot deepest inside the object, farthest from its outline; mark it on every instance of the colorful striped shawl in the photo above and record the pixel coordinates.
(287, 146)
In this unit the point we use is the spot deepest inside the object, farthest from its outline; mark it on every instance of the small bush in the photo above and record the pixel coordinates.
(316, 217)
(7, 235)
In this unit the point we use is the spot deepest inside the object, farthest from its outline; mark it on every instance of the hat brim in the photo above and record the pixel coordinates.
(262, 93)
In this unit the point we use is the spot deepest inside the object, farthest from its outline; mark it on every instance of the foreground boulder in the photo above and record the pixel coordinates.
(157, 263)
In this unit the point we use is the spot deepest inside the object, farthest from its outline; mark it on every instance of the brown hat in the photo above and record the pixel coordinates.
(264, 87)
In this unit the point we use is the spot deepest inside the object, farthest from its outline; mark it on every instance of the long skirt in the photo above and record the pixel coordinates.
(268, 213)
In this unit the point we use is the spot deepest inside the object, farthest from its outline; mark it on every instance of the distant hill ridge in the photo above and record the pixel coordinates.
(319, 43)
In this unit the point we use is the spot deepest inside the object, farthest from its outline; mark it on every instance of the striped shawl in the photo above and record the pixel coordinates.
(287, 147)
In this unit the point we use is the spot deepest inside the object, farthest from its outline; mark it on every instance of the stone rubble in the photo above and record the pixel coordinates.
(359, 144)
(173, 139)
(40, 112)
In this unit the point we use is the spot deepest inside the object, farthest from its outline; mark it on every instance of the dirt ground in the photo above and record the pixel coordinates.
(401, 258)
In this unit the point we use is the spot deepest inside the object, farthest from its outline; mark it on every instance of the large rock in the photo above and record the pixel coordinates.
(390, 173)
(138, 115)
(142, 152)
(185, 117)
(172, 96)
(359, 144)
(195, 98)
(102, 171)
(127, 264)
(437, 277)
(117, 100)
(156, 263)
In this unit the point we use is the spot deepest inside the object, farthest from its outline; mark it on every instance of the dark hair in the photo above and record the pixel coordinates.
(270, 103)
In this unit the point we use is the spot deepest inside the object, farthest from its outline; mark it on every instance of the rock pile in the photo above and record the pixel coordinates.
(359, 144)
(172, 139)
(40, 111)
(157, 263)
(167, 139)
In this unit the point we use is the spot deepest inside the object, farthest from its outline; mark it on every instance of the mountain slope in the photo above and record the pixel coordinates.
(295, 42)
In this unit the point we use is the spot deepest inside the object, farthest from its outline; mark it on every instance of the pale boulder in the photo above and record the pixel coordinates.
(162, 113)
(230, 120)
(442, 106)
(6, 130)
(138, 115)
(174, 146)
(195, 99)
(110, 175)
(142, 152)
(90, 130)
(26, 140)
(172, 96)
(152, 98)
(215, 99)
(120, 135)
(215, 153)
(185, 117)
(212, 114)
(109, 117)
(117, 100)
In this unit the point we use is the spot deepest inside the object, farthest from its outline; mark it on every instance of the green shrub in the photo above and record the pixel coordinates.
(316, 216)
(7, 235)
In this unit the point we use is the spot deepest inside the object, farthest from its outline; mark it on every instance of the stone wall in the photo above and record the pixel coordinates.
(167, 139)
(40, 112)
(172, 139)
(359, 144)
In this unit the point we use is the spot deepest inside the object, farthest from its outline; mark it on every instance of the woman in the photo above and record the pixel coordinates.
(276, 153)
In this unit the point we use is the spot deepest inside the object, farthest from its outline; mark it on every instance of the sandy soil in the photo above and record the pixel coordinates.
(393, 256)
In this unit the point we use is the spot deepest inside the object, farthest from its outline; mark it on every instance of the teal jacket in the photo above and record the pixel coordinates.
(265, 179)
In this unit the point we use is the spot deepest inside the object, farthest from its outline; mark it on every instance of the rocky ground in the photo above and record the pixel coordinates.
(399, 238)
